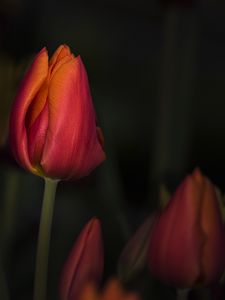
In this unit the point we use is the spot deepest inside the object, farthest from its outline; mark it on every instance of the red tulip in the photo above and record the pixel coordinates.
(85, 262)
(53, 128)
(187, 243)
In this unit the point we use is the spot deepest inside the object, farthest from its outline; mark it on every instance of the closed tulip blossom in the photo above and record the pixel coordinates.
(85, 262)
(187, 243)
(53, 129)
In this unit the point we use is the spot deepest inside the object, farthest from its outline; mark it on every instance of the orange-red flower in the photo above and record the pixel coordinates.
(85, 262)
(112, 291)
(53, 129)
(187, 243)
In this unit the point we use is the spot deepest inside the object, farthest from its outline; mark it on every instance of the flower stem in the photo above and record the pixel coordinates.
(182, 294)
(40, 280)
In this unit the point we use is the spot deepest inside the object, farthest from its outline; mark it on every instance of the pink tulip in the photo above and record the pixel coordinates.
(53, 129)
(187, 243)
(85, 262)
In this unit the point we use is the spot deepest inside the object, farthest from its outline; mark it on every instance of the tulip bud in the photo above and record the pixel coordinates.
(53, 127)
(134, 255)
(187, 243)
(85, 262)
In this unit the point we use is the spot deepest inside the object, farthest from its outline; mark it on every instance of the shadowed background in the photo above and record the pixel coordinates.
(157, 74)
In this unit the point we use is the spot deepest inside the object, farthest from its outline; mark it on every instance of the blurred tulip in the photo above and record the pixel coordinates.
(112, 291)
(134, 255)
(187, 243)
(53, 129)
(85, 262)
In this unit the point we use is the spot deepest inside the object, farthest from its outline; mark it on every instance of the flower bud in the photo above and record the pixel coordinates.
(85, 262)
(134, 255)
(187, 243)
(53, 129)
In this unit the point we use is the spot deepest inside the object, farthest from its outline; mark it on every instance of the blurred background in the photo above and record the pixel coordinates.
(157, 75)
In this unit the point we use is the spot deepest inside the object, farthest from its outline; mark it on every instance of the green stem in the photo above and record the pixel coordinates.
(40, 280)
(182, 294)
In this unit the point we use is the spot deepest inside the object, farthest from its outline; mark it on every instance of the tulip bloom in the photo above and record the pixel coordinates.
(53, 129)
(112, 291)
(187, 243)
(85, 262)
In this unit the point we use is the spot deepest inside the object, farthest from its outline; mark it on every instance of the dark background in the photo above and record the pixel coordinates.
(157, 75)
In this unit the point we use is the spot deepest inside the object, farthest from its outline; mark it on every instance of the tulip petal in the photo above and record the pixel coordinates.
(213, 257)
(71, 124)
(177, 238)
(85, 263)
(59, 54)
(36, 137)
(134, 255)
(31, 84)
